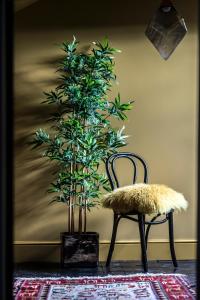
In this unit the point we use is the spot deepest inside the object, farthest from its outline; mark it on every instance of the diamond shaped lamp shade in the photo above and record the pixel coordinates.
(166, 29)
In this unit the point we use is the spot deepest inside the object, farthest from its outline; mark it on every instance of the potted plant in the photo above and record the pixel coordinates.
(81, 138)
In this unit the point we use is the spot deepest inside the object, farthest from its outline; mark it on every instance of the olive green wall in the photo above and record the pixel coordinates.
(162, 125)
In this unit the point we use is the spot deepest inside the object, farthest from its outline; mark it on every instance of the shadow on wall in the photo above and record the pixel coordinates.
(52, 14)
(33, 174)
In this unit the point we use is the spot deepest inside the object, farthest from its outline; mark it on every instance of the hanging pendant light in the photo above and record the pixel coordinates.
(166, 29)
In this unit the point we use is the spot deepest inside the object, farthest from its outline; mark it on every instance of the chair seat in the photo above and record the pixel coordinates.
(144, 198)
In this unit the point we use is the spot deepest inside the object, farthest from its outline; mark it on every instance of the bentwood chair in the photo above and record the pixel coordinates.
(136, 201)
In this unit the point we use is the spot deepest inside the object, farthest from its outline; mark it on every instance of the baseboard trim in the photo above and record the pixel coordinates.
(57, 242)
(25, 251)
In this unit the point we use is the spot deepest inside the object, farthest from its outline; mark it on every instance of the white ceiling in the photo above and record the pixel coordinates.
(20, 4)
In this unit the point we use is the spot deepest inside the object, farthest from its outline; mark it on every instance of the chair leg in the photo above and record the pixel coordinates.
(142, 241)
(148, 229)
(171, 239)
(112, 243)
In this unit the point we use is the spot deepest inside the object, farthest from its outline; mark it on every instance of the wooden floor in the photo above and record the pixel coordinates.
(187, 267)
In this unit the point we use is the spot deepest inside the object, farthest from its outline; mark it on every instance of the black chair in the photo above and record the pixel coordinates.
(144, 226)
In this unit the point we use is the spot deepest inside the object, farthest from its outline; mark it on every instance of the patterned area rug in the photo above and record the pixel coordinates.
(140, 286)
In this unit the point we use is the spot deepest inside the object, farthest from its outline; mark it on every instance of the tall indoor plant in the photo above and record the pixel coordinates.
(82, 136)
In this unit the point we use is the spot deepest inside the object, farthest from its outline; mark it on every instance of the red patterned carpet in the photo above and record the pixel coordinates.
(140, 286)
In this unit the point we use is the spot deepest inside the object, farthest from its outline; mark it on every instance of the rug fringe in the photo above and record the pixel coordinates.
(102, 276)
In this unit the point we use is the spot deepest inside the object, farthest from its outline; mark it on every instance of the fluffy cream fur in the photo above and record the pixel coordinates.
(145, 198)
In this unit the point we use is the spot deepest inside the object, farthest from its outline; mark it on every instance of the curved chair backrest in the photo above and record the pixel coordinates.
(134, 158)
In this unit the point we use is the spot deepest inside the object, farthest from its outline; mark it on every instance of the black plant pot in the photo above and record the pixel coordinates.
(79, 249)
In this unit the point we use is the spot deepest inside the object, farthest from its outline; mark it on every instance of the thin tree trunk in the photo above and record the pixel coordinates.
(73, 200)
(85, 210)
(80, 218)
(85, 215)
(69, 217)
(72, 219)
(70, 202)
(73, 166)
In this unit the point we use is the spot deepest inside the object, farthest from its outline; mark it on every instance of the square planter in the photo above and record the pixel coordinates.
(79, 249)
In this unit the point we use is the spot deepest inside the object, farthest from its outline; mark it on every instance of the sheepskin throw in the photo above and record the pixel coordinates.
(144, 198)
